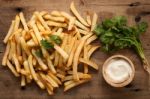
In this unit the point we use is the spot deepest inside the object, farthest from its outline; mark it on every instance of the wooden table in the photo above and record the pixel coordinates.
(96, 89)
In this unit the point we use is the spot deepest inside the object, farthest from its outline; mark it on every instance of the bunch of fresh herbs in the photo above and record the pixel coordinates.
(115, 34)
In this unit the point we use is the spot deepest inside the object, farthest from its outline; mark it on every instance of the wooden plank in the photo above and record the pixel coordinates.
(116, 2)
(97, 88)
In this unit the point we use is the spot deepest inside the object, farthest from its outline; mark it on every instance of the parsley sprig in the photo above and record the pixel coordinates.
(115, 34)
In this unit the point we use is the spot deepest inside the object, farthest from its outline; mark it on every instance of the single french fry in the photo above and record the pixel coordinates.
(17, 22)
(68, 82)
(10, 31)
(76, 56)
(18, 46)
(71, 72)
(31, 43)
(81, 76)
(88, 19)
(32, 21)
(20, 59)
(91, 39)
(85, 57)
(23, 81)
(58, 24)
(90, 52)
(11, 67)
(34, 62)
(50, 65)
(74, 84)
(54, 18)
(78, 24)
(65, 38)
(71, 45)
(94, 20)
(84, 32)
(56, 58)
(90, 63)
(71, 23)
(26, 67)
(75, 12)
(49, 91)
(31, 68)
(42, 13)
(18, 67)
(23, 21)
(5, 57)
(12, 49)
(56, 13)
(66, 15)
(25, 46)
(70, 77)
(71, 56)
(42, 21)
(60, 61)
(46, 33)
(61, 52)
(89, 47)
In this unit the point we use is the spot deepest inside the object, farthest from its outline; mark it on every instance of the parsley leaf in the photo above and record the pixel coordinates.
(39, 53)
(47, 45)
(56, 39)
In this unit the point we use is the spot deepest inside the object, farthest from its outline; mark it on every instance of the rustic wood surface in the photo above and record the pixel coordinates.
(135, 10)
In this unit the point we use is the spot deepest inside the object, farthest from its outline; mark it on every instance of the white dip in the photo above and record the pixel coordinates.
(118, 70)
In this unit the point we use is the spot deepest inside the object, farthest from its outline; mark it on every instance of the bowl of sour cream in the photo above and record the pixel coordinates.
(118, 71)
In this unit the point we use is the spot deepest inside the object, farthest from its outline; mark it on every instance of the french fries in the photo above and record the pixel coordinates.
(11, 29)
(57, 19)
(55, 63)
(75, 12)
(76, 56)
(23, 21)
(5, 57)
(94, 20)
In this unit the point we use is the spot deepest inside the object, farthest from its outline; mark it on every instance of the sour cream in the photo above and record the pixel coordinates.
(118, 71)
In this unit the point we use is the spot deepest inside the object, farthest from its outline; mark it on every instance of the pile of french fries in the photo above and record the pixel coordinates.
(60, 66)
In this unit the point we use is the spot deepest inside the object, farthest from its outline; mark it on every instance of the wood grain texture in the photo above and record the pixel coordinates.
(97, 88)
